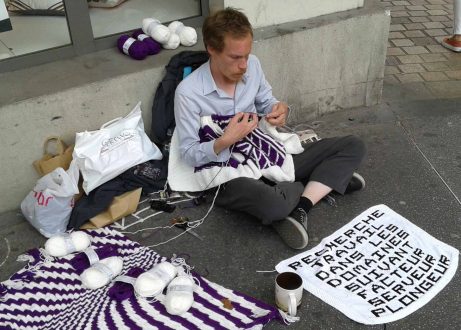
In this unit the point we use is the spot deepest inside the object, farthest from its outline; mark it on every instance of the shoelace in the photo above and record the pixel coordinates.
(303, 216)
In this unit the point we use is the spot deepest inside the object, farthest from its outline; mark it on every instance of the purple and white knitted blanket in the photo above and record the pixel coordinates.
(264, 152)
(48, 294)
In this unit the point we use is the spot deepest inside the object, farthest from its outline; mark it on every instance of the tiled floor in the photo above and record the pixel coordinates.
(414, 52)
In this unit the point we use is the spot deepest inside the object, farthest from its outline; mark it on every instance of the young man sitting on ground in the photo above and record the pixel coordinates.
(232, 85)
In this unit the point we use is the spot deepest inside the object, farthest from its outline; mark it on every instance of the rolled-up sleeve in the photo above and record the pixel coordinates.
(187, 115)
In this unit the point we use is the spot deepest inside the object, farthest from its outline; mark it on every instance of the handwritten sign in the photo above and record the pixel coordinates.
(377, 269)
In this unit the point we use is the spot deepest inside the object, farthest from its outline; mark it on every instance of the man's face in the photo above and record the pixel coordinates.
(231, 62)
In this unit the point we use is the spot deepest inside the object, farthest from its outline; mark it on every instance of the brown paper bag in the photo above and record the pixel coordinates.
(49, 162)
(88, 225)
(120, 207)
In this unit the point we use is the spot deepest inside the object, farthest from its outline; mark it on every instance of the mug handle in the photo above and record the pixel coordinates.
(292, 305)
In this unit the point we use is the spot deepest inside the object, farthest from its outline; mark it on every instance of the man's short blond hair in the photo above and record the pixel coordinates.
(229, 21)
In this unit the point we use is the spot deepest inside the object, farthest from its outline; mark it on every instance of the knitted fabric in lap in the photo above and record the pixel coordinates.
(260, 148)
(49, 295)
(265, 152)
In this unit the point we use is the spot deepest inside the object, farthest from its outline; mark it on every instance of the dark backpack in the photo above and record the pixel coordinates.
(163, 122)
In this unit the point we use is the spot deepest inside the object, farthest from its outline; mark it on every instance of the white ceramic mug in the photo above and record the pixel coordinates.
(288, 292)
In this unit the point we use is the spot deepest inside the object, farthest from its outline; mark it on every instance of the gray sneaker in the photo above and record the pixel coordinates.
(293, 229)
(357, 183)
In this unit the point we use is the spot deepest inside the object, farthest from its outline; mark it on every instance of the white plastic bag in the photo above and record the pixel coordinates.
(48, 206)
(118, 145)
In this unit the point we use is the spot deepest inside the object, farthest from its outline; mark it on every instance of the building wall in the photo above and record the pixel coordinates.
(318, 65)
(270, 12)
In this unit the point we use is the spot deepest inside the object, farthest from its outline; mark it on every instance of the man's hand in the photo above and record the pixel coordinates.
(278, 115)
(239, 126)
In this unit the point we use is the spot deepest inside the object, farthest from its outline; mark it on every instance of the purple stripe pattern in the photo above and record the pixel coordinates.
(257, 146)
(48, 294)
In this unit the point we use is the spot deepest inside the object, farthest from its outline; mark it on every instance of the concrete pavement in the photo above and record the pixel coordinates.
(415, 57)
(414, 53)
(413, 166)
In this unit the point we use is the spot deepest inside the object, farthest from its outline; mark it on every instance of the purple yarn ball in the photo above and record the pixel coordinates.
(120, 290)
(135, 272)
(80, 261)
(132, 47)
(136, 33)
(154, 46)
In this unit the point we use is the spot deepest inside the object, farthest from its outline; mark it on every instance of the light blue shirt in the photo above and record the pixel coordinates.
(197, 96)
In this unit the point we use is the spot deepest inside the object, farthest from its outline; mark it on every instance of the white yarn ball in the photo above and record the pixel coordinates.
(56, 245)
(187, 35)
(149, 283)
(179, 301)
(80, 239)
(145, 24)
(174, 25)
(156, 30)
(92, 278)
(173, 42)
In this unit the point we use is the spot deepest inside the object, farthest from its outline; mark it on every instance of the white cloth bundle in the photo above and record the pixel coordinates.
(372, 256)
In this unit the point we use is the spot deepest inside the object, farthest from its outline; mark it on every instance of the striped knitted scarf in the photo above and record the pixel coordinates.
(264, 152)
(257, 147)
(48, 294)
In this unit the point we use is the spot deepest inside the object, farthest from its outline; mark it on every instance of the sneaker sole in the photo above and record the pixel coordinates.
(450, 47)
(292, 233)
(360, 178)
